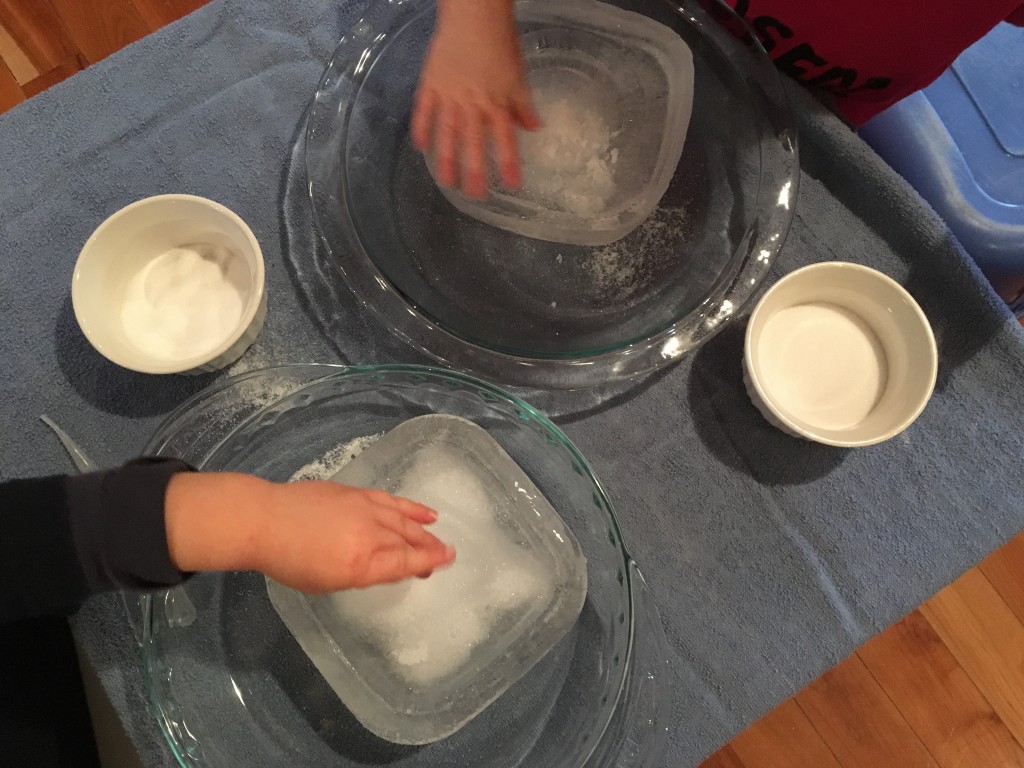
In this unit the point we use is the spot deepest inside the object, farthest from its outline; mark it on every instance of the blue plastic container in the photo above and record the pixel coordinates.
(960, 143)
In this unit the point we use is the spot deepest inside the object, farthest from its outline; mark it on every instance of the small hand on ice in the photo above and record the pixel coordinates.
(429, 628)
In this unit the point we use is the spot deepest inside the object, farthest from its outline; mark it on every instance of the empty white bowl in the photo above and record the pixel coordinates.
(171, 284)
(840, 354)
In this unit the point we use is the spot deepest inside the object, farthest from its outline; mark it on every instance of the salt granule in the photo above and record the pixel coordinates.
(328, 465)
(186, 301)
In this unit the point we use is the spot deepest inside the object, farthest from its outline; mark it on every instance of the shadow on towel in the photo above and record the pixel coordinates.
(110, 387)
(733, 429)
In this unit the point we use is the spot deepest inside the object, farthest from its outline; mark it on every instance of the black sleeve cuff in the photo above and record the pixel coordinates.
(117, 519)
(39, 567)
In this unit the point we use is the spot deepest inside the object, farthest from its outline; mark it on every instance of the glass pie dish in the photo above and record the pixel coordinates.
(523, 311)
(230, 686)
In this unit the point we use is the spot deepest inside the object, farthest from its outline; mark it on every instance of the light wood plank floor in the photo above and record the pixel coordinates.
(943, 688)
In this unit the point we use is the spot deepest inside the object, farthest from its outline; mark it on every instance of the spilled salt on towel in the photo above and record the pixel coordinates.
(186, 301)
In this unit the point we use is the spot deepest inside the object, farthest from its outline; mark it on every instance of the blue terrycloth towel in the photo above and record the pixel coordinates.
(770, 559)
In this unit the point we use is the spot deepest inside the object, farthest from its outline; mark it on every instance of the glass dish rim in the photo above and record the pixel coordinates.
(162, 434)
(733, 292)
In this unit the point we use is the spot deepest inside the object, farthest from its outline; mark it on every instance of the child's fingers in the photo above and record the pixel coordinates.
(525, 114)
(423, 118)
(508, 149)
(402, 562)
(446, 143)
(474, 148)
(418, 512)
(407, 507)
(386, 539)
(412, 532)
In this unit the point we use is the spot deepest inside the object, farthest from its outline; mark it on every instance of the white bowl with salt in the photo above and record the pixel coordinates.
(840, 354)
(171, 284)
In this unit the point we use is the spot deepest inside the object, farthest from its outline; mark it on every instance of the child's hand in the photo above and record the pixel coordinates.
(473, 91)
(324, 536)
(313, 536)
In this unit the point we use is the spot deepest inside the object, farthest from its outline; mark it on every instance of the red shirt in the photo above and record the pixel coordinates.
(869, 54)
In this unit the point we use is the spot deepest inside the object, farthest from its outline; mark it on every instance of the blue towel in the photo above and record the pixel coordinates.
(771, 559)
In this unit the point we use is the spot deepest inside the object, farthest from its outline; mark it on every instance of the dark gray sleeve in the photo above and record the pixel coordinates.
(117, 521)
(64, 538)
(39, 570)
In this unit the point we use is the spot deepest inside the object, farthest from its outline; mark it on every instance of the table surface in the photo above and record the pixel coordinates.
(756, 600)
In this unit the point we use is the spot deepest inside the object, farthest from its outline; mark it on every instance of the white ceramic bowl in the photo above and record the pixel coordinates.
(840, 354)
(125, 252)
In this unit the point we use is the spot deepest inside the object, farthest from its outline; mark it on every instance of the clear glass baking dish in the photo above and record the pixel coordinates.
(229, 685)
(522, 311)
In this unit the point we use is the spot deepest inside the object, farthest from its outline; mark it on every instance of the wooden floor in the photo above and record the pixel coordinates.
(944, 687)
(45, 41)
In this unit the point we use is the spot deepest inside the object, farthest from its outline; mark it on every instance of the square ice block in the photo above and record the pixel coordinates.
(416, 661)
(614, 90)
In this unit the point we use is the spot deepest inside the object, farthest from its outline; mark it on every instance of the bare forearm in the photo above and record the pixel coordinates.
(215, 521)
(486, 24)
(316, 536)
(479, 13)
